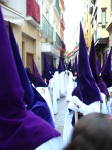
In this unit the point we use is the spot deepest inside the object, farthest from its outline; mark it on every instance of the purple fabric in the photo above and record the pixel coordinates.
(37, 81)
(60, 68)
(92, 60)
(20, 129)
(63, 64)
(46, 74)
(35, 70)
(74, 68)
(87, 90)
(104, 61)
(29, 95)
(52, 68)
(106, 72)
(98, 65)
(69, 66)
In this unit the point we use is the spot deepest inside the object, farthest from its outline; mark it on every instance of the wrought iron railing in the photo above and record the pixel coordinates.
(58, 39)
(46, 27)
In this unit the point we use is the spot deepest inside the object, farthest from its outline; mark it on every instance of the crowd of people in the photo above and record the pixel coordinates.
(28, 101)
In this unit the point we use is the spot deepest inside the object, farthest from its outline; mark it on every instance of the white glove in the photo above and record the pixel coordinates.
(72, 106)
(77, 101)
(81, 105)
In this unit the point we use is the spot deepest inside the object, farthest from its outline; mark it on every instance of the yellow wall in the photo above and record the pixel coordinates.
(28, 42)
(98, 23)
(101, 4)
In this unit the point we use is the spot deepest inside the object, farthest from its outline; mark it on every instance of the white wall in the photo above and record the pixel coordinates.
(18, 5)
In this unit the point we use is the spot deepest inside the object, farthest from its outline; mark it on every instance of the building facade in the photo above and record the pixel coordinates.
(109, 28)
(62, 28)
(36, 26)
(25, 29)
(99, 11)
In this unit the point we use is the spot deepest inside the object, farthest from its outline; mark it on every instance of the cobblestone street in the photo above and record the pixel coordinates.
(60, 117)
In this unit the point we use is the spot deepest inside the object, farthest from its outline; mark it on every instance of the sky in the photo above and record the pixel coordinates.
(72, 16)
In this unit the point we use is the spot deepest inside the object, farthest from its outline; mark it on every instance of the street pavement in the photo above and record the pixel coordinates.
(60, 116)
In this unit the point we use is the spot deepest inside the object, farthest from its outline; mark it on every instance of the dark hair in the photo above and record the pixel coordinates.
(93, 132)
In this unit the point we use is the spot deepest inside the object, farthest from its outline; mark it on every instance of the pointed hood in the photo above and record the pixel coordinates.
(87, 90)
(63, 64)
(92, 60)
(19, 128)
(30, 97)
(69, 65)
(106, 72)
(60, 68)
(37, 81)
(35, 70)
(46, 74)
(52, 68)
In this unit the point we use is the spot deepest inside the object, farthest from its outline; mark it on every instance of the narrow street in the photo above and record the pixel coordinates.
(60, 117)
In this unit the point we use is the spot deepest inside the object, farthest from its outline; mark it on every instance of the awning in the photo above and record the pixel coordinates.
(12, 16)
(50, 50)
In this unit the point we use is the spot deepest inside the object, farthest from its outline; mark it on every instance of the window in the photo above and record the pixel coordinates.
(103, 18)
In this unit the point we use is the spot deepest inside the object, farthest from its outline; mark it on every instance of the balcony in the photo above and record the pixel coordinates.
(47, 28)
(57, 9)
(33, 13)
(57, 39)
(93, 2)
(12, 15)
(50, 50)
(101, 37)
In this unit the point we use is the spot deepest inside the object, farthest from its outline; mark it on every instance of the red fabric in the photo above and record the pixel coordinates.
(33, 9)
(62, 3)
(63, 21)
(63, 45)
(62, 25)
(69, 54)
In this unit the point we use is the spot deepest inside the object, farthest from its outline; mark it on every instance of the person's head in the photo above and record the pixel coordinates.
(93, 132)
